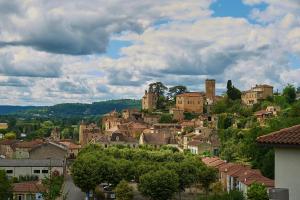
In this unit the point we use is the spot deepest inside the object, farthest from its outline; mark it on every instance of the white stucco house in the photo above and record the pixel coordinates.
(39, 168)
(287, 158)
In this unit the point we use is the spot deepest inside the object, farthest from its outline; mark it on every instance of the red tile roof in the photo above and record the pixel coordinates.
(287, 136)
(191, 94)
(28, 187)
(29, 144)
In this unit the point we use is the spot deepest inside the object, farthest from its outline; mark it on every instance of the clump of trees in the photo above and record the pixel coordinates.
(160, 174)
(238, 128)
(166, 96)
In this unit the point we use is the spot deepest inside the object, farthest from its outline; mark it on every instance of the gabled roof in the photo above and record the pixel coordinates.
(28, 187)
(31, 163)
(287, 136)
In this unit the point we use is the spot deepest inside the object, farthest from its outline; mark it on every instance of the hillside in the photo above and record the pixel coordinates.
(12, 109)
(71, 109)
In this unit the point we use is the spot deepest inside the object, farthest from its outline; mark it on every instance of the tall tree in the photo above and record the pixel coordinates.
(206, 177)
(229, 85)
(124, 191)
(5, 186)
(159, 185)
(232, 92)
(257, 191)
(158, 88)
(176, 90)
(289, 92)
(84, 173)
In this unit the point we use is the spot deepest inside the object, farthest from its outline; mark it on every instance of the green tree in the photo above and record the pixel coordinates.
(232, 92)
(166, 118)
(295, 110)
(206, 177)
(10, 136)
(158, 88)
(124, 191)
(84, 172)
(5, 186)
(176, 90)
(159, 185)
(257, 191)
(53, 186)
(289, 92)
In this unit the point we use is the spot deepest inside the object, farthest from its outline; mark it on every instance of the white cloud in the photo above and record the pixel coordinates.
(50, 50)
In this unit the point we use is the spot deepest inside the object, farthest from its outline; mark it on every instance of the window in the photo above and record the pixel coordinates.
(10, 171)
(45, 171)
(36, 171)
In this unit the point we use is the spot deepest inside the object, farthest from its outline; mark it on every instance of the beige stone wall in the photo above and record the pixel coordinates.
(190, 104)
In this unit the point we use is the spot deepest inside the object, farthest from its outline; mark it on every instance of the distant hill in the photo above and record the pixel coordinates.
(12, 109)
(71, 109)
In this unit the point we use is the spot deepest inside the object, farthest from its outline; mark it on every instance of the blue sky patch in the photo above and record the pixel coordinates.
(234, 8)
(114, 47)
(294, 61)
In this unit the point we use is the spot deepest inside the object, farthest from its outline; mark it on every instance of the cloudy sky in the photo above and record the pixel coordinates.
(85, 51)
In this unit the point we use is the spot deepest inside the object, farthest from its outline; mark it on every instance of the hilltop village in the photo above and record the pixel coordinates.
(227, 133)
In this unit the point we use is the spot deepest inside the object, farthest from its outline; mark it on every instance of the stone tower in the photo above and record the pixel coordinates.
(149, 101)
(210, 89)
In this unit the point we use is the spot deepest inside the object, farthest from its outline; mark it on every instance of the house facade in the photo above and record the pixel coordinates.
(190, 102)
(257, 94)
(286, 143)
(28, 191)
(39, 168)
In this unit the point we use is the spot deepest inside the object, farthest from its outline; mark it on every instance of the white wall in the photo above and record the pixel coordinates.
(23, 171)
(287, 170)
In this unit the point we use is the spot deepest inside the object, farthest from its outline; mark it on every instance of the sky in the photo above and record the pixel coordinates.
(73, 51)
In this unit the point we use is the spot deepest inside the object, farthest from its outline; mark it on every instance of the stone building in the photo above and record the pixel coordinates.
(151, 119)
(210, 90)
(257, 94)
(132, 114)
(7, 148)
(149, 101)
(190, 102)
(178, 114)
(49, 150)
(23, 148)
(55, 134)
(88, 133)
(112, 120)
(157, 138)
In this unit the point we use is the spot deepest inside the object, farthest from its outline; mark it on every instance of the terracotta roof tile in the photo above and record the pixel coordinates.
(287, 136)
(8, 142)
(191, 94)
(28, 187)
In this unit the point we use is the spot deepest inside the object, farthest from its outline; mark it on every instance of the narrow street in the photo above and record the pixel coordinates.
(73, 192)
